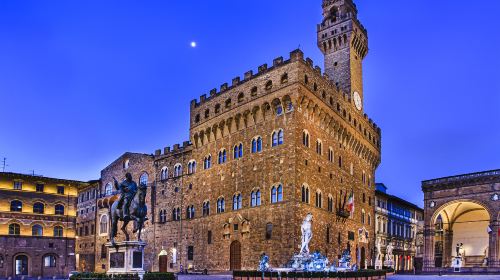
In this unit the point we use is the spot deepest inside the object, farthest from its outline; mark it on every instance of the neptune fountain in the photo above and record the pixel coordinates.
(305, 261)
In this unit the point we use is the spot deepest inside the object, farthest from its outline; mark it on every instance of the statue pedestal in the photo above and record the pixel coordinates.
(389, 263)
(457, 264)
(126, 257)
(378, 264)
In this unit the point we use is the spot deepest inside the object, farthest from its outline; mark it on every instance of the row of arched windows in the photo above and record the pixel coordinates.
(36, 230)
(277, 140)
(255, 200)
(38, 207)
(319, 149)
(318, 198)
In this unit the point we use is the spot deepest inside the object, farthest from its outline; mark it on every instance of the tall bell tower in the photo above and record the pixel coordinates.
(344, 42)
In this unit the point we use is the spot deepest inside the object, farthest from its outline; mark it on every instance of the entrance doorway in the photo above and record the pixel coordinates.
(21, 265)
(163, 262)
(363, 258)
(235, 255)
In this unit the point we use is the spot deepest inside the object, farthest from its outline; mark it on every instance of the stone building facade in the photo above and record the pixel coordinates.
(37, 225)
(398, 222)
(462, 216)
(263, 152)
(86, 226)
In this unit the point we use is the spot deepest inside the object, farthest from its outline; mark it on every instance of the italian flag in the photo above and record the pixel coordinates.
(350, 202)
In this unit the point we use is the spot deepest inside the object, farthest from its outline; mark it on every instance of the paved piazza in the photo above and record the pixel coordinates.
(431, 277)
(394, 277)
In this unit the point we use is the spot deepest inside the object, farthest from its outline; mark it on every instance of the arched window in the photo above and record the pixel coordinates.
(284, 78)
(143, 180)
(59, 209)
(305, 194)
(330, 154)
(104, 251)
(58, 231)
(14, 229)
(319, 199)
(257, 145)
(352, 169)
(190, 212)
(126, 164)
(222, 156)
(177, 170)
(206, 208)
(221, 205)
(176, 214)
(237, 201)
(163, 216)
(49, 261)
(369, 219)
(330, 203)
(108, 190)
(241, 97)
(319, 147)
(305, 138)
(16, 206)
(238, 151)
(278, 109)
(269, 231)
(192, 167)
(207, 162)
(277, 138)
(340, 161)
(103, 224)
(255, 198)
(164, 173)
(277, 194)
(38, 208)
(37, 230)
(363, 216)
(269, 85)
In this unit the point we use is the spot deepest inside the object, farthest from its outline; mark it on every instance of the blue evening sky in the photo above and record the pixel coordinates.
(81, 82)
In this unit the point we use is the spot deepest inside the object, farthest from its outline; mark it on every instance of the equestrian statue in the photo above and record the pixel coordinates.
(131, 206)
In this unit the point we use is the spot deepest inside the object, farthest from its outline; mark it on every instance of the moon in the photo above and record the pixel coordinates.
(193, 44)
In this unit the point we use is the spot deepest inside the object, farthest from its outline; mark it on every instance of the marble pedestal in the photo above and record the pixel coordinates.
(457, 264)
(126, 257)
(389, 263)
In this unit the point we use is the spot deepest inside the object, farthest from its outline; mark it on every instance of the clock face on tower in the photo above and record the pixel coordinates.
(357, 101)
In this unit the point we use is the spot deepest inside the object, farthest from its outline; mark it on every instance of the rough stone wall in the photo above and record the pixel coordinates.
(36, 248)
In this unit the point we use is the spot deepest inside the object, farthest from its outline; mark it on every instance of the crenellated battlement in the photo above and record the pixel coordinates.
(232, 100)
(176, 148)
(249, 75)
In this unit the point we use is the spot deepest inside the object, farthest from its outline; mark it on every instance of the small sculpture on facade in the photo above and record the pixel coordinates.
(264, 262)
(306, 234)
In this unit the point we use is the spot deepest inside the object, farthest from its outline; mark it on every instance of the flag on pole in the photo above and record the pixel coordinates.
(350, 202)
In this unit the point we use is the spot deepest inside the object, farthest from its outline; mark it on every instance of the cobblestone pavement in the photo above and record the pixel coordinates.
(432, 277)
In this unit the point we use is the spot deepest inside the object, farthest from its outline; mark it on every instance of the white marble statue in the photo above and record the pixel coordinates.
(306, 229)
(389, 251)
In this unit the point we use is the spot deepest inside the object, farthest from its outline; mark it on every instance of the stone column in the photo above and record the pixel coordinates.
(428, 262)
(493, 254)
(447, 248)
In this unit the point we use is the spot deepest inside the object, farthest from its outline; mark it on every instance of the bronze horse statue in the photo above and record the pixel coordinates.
(138, 212)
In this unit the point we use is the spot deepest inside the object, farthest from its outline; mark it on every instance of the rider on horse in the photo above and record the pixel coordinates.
(128, 189)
